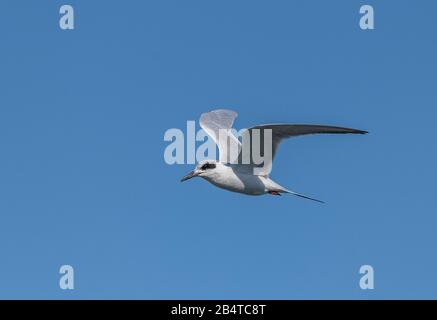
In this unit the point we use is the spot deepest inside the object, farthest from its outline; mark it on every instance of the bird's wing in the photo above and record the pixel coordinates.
(280, 132)
(218, 125)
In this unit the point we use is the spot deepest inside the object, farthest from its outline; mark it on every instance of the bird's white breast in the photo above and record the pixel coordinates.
(242, 183)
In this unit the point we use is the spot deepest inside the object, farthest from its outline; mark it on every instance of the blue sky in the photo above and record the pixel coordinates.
(82, 175)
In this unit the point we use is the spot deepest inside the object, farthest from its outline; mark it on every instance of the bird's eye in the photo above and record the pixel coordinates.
(207, 166)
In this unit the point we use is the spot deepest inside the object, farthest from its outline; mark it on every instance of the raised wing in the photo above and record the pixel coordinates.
(218, 125)
(278, 133)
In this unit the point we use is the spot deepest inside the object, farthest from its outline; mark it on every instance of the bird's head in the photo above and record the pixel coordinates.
(204, 169)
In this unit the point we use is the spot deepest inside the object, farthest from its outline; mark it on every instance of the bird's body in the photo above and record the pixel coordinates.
(248, 176)
(227, 177)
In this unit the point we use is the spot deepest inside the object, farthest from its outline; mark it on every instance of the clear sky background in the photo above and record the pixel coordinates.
(82, 175)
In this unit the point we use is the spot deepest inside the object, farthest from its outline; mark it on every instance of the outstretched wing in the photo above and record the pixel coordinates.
(280, 132)
(218, 125)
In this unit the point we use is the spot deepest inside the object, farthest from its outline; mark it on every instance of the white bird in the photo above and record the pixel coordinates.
(232, 174)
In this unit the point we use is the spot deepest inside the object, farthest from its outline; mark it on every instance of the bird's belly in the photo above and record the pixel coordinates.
(251, 185)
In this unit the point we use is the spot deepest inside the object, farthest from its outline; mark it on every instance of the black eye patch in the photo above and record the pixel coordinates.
(207, 166)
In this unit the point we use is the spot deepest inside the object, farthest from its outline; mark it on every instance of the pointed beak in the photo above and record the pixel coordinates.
(192, 174)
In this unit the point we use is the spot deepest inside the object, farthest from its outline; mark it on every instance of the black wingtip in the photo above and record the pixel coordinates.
(356, 131)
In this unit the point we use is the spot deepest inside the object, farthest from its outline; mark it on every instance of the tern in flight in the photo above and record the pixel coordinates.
(249, 177)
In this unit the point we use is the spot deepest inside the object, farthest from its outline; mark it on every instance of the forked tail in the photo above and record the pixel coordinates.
(276, 189)
(302, 196)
